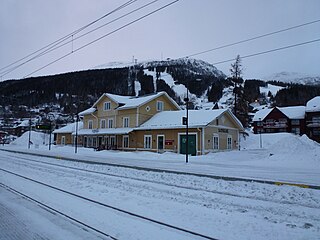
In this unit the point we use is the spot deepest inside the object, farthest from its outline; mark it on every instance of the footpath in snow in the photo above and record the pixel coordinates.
(283, 157)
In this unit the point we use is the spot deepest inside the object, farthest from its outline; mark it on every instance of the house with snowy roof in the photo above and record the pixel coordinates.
(280, 119)
(313, 118)
(209, 130)
(112, 118)
(153, 123)
(66, 134)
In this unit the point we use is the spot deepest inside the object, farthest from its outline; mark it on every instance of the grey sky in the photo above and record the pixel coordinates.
(187, 27)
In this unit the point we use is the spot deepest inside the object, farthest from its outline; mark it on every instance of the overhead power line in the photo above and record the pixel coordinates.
(63, 43)
(269, 51)
(62, 39)
(254, 38)
(108, 34)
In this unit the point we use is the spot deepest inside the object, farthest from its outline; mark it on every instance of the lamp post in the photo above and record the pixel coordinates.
(187, 123)
(187, 120)
(76, 140)
(261, 127)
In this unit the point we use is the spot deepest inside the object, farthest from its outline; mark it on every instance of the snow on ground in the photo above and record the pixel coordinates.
(283, 157)
(221, 209)
(270, 88)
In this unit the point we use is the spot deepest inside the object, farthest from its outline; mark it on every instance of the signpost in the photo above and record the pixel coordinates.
(45, 127)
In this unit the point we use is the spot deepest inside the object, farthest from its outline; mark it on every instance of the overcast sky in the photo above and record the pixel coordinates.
(185, 28)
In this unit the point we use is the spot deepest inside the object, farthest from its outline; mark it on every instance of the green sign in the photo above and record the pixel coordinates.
(43, 127)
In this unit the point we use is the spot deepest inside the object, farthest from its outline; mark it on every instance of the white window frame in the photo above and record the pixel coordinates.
(103, 125)
(63, 140)
(126, 122)
(216, 146)
(110, 123)
(229, 143)
(147, 143)
(107, 106)
(123, 141)
(90, 124)
(160, 106)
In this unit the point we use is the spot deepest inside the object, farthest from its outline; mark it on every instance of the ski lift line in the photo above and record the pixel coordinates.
(55, 47)
(254, 38)
(106, 35)
(269, 51)
(62, 39)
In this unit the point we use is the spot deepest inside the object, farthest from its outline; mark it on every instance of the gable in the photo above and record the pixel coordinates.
(227, 119)
(275, 114)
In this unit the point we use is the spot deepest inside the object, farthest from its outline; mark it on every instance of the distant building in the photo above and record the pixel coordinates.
(280, 119)
(313, 118)
(296, 119)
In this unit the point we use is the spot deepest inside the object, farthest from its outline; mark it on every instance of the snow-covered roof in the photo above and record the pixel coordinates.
(173, 119)
(104, 131)
(24, 123)
(313, 105)
(70, 128)
(295, 112)
(87, 111)
(133, 102)
(261, 114)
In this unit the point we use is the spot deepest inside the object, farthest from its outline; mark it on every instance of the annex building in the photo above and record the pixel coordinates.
(152, 123)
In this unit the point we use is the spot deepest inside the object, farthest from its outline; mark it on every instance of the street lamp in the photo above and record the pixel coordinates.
(186, 120)
(76, 138)
(261, 127)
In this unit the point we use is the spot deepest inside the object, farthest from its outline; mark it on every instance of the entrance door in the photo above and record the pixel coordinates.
(160, 143)
(192, 148)
(99, 141)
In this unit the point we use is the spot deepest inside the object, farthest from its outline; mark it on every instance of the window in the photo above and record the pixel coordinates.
(296, 131)
(282, 120)
(90, 124)
(125, 142)
(147, 141)
(316, 132)
(103, 123)
(113, 141)
(215, 142)
(229, 142)
(160, 106)
(106, 106)
(63, 140)
(110, 123)
(316, 119)
(259, 123)
(125, 122)
(295, 122)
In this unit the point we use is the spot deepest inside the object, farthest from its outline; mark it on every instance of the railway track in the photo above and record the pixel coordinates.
(119, 176)
(46, 206)
(92, 201)
(279, 183)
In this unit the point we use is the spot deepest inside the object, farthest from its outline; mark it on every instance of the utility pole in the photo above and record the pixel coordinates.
(29, 133)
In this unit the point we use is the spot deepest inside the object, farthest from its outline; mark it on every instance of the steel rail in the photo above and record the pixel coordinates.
(278, 183)
(112, 207)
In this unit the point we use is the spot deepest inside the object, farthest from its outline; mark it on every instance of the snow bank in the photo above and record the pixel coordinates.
(37, 139)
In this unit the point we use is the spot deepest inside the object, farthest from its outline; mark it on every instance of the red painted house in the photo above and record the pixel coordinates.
(313, 118)
(280, 119)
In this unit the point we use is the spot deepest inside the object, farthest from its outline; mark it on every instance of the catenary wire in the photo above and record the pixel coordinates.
(62, 39)
(57, 46)
(108, 34)
(269, 51)
(254, 38)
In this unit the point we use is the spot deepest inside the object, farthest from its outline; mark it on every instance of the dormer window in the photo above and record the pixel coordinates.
(106, 106)
(160, 105)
